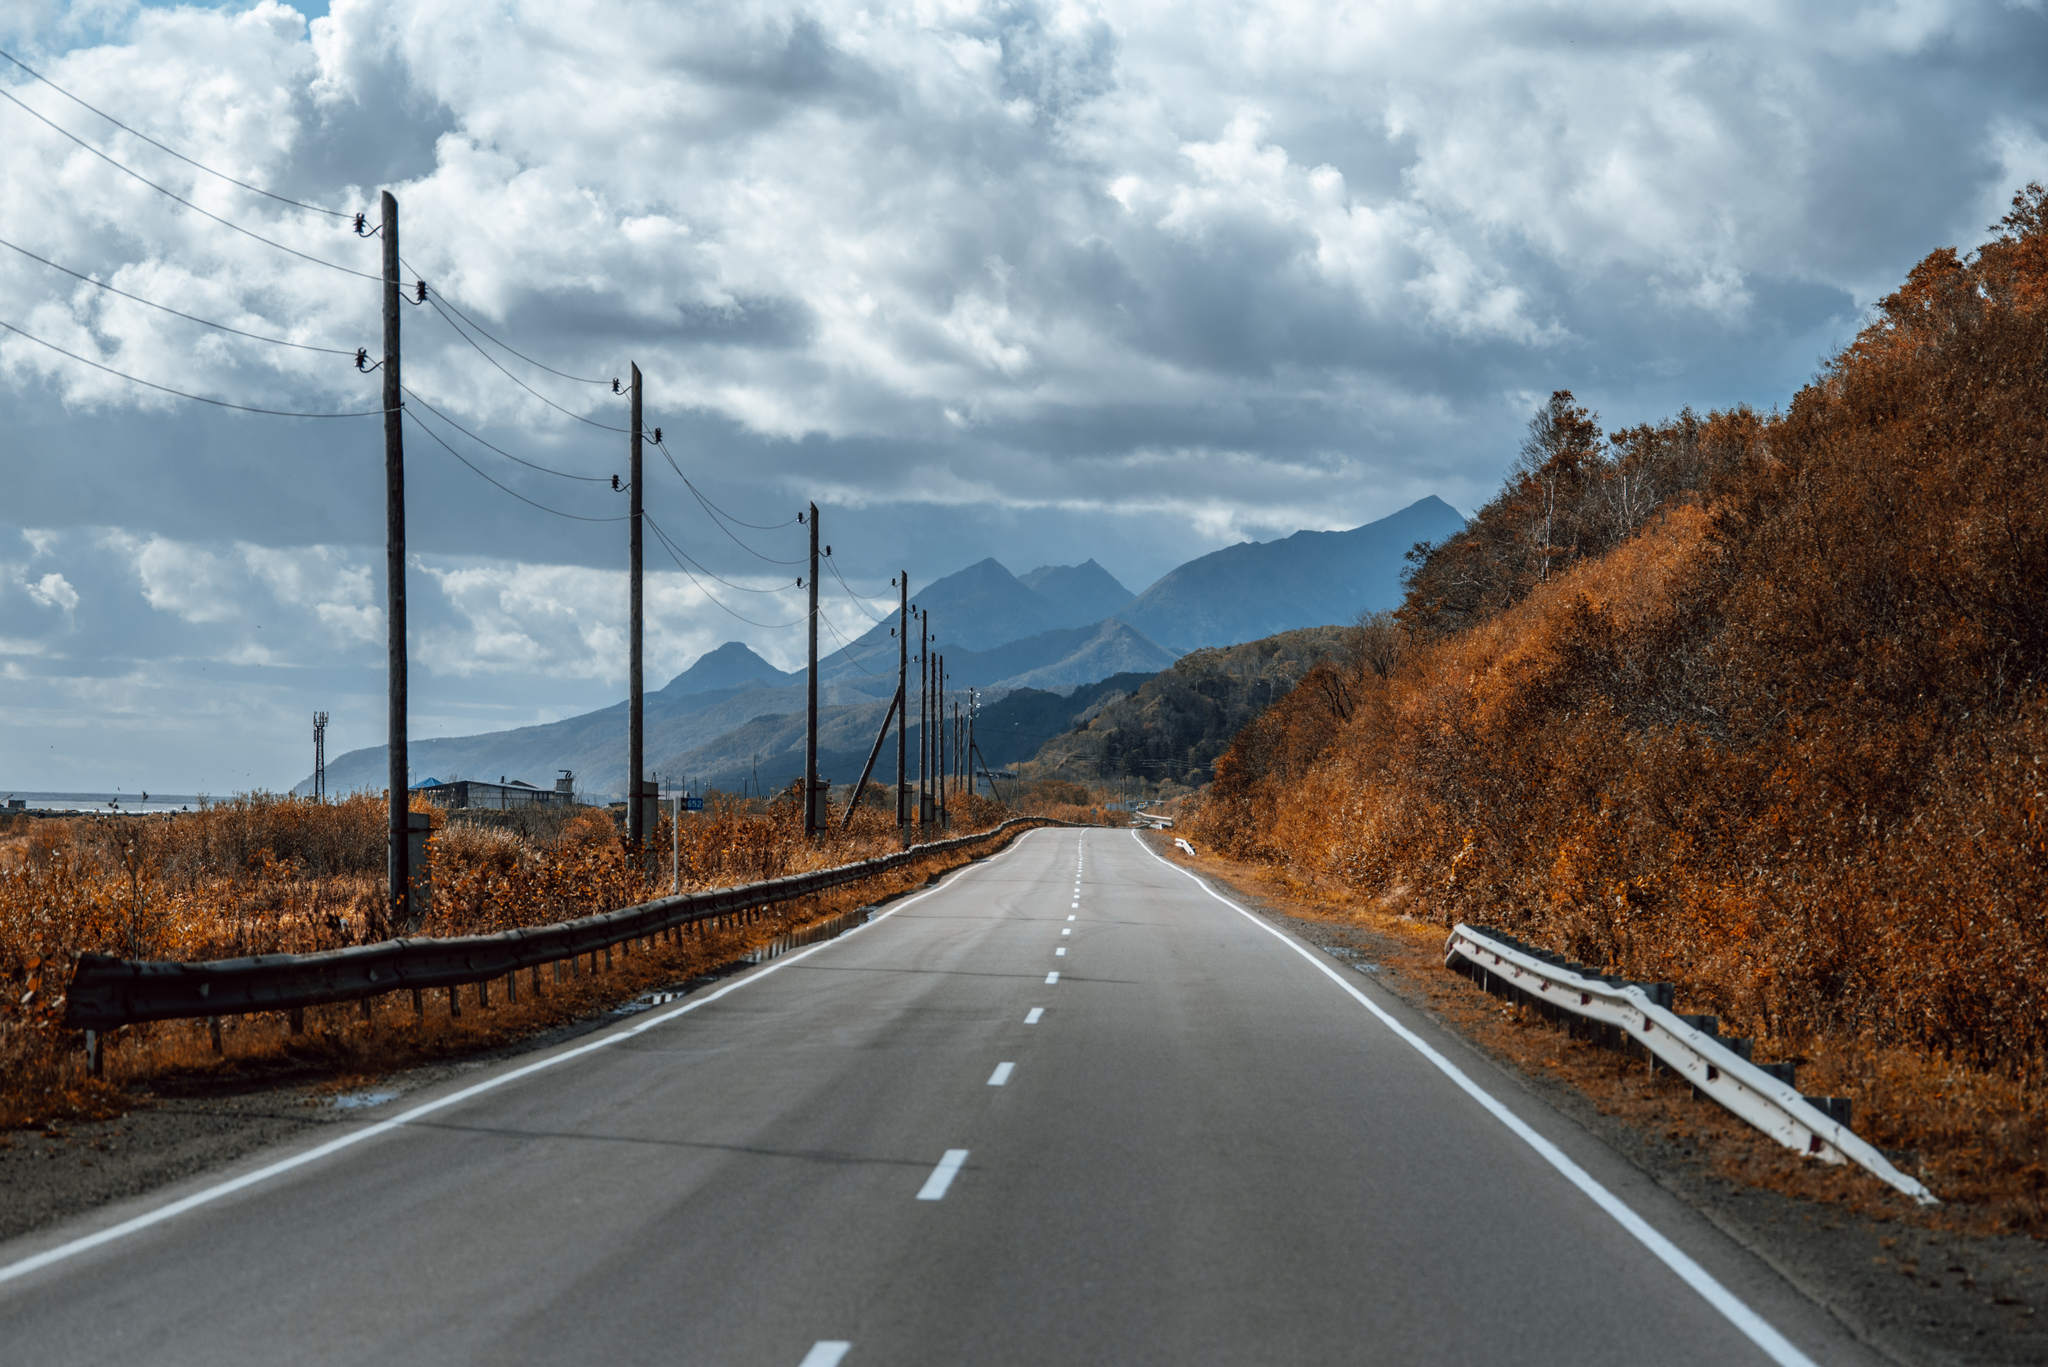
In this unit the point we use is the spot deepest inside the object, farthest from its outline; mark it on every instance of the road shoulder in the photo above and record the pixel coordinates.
(1907, 1284)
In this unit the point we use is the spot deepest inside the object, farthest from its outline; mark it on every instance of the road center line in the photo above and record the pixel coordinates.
(169, 1210)
(1031, 1017)
(825, 1353)
(1001, 1075)
(934, 1188)
(1752, 1325)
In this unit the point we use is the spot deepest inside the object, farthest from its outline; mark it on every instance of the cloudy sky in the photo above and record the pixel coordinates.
(1042, 281)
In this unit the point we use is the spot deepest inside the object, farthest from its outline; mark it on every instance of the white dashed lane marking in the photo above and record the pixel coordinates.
(1001, 1075)
(934, 1188)
(1032, 1017)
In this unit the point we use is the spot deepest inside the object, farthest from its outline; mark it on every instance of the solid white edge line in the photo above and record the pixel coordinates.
(826, 1353)
(1753, 1326)
(1001, 1076)
(86, 1243)
(934, 1187)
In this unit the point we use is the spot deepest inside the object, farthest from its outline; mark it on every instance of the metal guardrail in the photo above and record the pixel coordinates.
(1761, 1094)
(106, 992)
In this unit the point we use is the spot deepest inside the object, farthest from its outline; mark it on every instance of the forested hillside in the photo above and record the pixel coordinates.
(1024, 719)
(1753, 702)
(1175, 726)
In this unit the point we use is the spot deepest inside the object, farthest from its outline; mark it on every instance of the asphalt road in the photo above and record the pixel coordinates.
(1203, 1143)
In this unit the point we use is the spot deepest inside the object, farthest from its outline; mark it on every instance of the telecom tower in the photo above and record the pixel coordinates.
(319, 756)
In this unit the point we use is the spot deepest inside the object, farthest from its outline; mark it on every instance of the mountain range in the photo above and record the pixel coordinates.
(1054, 629)
(1254, 589)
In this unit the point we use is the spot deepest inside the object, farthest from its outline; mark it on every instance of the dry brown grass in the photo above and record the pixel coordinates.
(1782, 746)
(265, 875)
(1974, 1136)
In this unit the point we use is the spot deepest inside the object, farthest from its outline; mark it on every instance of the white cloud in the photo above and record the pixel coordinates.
(54, 591)
(792, 212)
(322, 578)
(190, 582)
(1133, 278)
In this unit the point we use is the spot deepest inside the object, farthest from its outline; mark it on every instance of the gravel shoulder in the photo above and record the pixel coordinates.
(1906, 1283)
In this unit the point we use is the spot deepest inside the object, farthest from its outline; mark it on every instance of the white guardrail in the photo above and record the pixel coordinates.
(1501, 964)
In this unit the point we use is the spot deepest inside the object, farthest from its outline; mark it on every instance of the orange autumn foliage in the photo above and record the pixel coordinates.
(261, 874)
(1782, 743)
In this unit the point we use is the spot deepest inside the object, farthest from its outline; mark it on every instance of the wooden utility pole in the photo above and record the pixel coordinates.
(399, 863)
(924, 718)
(902, 701)
(973, 704)
(636, 698)
(811, 822)
(939, 756)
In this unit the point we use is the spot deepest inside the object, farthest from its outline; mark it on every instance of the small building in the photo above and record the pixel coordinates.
(503, 796)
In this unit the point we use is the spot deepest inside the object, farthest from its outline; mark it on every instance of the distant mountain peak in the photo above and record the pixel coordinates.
(1079, 593)
(1254, 589)
(977, 608)
(729, 666)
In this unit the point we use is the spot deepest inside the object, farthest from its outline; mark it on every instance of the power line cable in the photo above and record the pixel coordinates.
(172, 194)
(196, 398)
(677, 550)
(857, 602)
(709, 506)
(573, 517)
(846, 648)
(204, 322)
(713, 598)
(434, 300)
(580, 379)
(517, 460)
(751, 526)
(258, 189)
